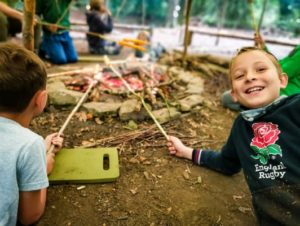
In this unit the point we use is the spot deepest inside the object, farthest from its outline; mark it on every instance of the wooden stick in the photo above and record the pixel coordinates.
(154, 119)
(107, 61)
(254, 24)
(91, 69)
(82, 99)
(240, 36)
(121, 42)
(68, 72)
(90, 58)
(81, 31)
(98, 59)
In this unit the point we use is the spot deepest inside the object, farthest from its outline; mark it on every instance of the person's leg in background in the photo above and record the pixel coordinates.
(69, 48)
(53, 49)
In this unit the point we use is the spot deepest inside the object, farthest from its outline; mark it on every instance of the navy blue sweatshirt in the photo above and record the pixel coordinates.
(267, 148)
(99, 23)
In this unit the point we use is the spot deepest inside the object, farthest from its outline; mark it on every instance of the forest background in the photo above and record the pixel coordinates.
(279, 15)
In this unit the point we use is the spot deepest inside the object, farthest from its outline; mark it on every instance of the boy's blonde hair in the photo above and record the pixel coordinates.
(251, 48)
(96, 4)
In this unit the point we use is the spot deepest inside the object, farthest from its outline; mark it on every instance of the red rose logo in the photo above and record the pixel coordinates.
(265, 134)
(263, 143)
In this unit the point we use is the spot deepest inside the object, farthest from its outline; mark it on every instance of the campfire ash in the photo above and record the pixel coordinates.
(139, 79)
(169, 88)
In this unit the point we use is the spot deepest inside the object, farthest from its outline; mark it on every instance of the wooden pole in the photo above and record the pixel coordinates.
(28, 24)
(187, 33)
(75, 109)
(240, 36)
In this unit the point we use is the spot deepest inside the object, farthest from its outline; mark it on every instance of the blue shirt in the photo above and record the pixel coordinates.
(22, 167)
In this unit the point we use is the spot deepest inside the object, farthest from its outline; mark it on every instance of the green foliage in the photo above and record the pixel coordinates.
(153, 11)
(289, 16)
(283, 14)
(81, 3)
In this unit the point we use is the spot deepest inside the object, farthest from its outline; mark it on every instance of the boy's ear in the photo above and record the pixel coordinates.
(283, 80)
(233, 95)
(41, 100)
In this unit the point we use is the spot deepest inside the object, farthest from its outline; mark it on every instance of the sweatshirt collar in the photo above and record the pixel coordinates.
(250, 115)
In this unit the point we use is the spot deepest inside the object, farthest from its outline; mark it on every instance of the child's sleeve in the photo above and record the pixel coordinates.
(225, 161)
(32, 169)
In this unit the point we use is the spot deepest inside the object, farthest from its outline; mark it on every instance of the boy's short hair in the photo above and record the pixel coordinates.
(96, 4)
(252, 48)
(22, 74)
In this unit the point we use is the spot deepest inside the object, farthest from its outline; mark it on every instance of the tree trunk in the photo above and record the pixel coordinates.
(186, 33)
(28, 23)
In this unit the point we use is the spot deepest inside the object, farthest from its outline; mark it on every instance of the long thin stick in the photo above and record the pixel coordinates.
(254, 24)
(107, 61)
(60, 132)
(129, 42)
(262, 14)
(90, 69)
(69, 72)
(154, 119)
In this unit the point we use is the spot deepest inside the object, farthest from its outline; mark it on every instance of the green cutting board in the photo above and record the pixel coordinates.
(80, 165)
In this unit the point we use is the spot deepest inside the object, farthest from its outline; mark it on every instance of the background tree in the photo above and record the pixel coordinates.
(283, 14)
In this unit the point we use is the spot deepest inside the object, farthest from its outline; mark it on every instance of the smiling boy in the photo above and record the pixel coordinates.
(264, 140)
(256, 78)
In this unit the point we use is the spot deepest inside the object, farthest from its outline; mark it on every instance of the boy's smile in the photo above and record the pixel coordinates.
(255, 79)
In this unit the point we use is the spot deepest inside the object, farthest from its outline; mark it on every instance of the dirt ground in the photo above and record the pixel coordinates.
(154, 188)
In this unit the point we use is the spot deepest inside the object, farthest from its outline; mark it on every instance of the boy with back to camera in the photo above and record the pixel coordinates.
(264, 140)
(24, 164)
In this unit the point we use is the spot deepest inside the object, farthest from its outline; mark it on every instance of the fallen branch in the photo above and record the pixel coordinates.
(125, 137)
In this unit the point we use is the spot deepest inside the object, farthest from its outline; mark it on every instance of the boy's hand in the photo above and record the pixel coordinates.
(57, 141)
(52, 28)
(259, 42)
(177, 148)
